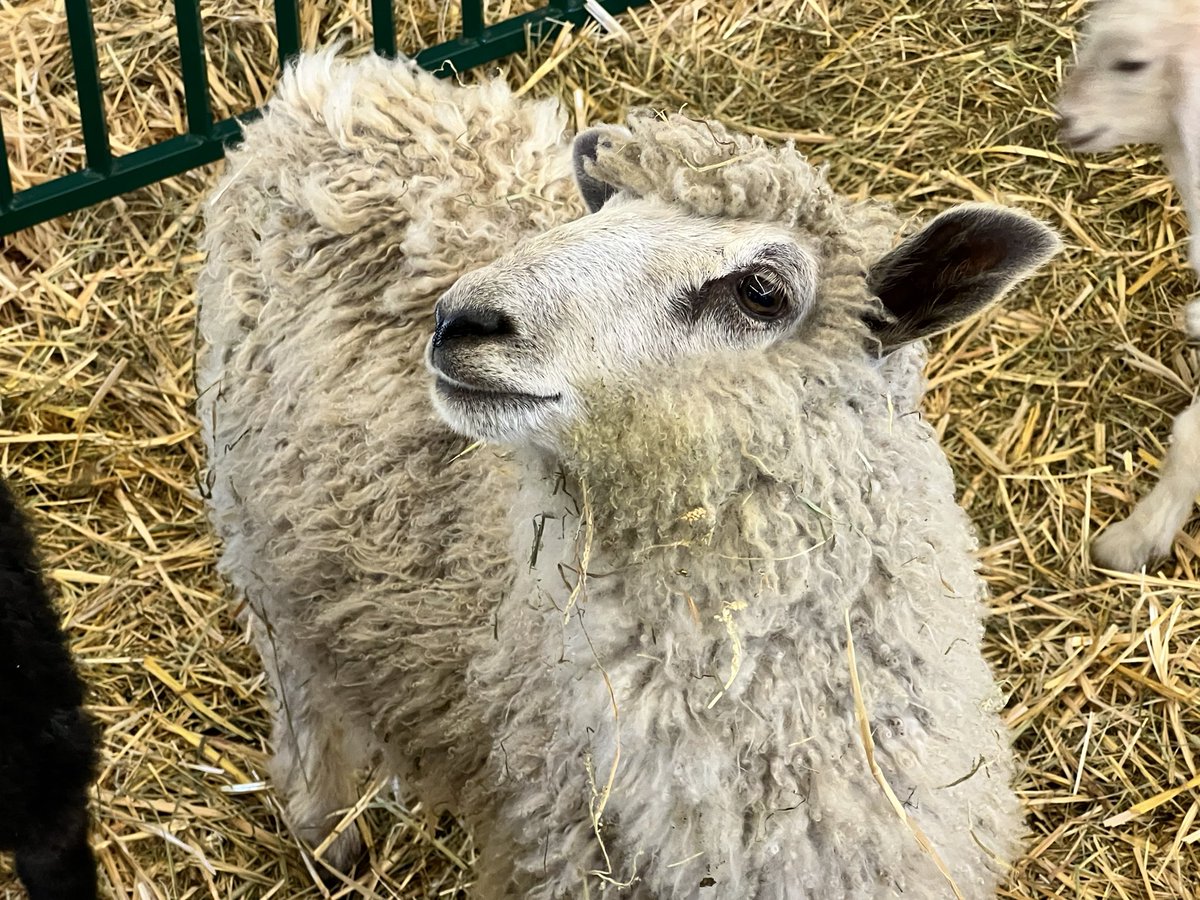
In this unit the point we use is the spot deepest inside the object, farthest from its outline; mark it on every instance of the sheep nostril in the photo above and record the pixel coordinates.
(1065, 122)
(471, 322)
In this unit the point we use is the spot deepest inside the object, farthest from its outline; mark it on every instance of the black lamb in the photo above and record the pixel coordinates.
(47, 740)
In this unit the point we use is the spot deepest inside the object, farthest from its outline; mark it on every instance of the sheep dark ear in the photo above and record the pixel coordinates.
(955, 267)
(595, 192)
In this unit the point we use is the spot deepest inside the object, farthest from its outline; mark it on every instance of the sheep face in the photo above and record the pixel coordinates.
(525, 346)
(520, 343)
(1121, 90)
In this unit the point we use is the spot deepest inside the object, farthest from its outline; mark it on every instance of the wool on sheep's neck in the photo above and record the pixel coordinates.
(684, 502)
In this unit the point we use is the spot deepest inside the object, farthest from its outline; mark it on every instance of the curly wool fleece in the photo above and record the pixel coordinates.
(680, 722)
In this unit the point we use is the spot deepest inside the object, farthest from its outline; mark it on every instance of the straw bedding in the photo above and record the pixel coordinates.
(1054, 411)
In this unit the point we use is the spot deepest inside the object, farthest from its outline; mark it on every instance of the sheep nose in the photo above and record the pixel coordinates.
(1065, 122)
(469, 322)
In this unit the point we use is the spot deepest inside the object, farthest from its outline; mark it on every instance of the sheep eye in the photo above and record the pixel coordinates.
(1129, 66)
(761, 297)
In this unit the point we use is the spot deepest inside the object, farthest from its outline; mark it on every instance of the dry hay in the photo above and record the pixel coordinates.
(1054, 412)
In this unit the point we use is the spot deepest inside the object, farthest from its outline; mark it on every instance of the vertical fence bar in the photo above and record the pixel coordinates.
(383, 24)
(86, 62)
(287, 29)
(472, 19)
(195, 74)
(6, 186)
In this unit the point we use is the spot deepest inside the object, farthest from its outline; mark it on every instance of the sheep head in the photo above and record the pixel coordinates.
(1129, 84)
(650, 287)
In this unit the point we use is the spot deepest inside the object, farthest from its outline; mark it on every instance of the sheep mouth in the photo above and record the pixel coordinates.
(1082, 141)
(461, 393)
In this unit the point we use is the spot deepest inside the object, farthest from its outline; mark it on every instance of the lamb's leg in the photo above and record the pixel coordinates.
(317, 754)
(57, 863)
(1150, 529)
(1183, 159)
(1191, 310)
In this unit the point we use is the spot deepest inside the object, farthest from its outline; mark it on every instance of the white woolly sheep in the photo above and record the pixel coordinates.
(47, 739)
(613, 638)
(1137, 80)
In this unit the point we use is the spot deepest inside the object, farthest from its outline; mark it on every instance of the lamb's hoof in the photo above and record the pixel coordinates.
(343, 853)
(1191, 319)
(1126, 547)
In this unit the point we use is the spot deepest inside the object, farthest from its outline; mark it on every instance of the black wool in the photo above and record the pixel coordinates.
(47, 741)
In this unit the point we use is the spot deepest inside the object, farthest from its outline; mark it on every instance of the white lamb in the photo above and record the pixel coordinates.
(613, 638)
(1137, 80)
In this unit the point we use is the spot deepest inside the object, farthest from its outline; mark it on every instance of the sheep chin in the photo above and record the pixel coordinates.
(502, 417)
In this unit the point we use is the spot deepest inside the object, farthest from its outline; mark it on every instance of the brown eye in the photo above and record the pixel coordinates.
(761, 297)
(1129, 66)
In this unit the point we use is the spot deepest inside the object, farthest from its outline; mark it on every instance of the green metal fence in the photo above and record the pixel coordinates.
(106, 175)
